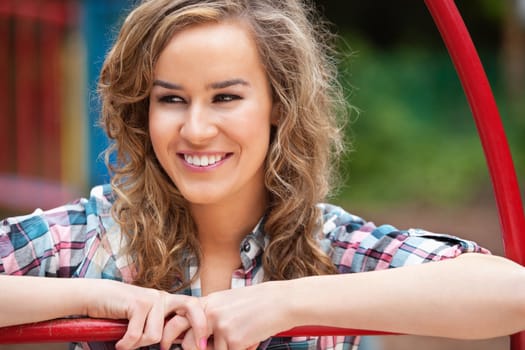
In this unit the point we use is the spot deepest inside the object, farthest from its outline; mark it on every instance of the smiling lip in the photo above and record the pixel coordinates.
(203, 161)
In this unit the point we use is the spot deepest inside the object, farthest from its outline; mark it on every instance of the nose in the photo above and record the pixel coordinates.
(198, 126)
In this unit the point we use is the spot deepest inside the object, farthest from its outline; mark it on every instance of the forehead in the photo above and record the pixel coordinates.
(212, 46)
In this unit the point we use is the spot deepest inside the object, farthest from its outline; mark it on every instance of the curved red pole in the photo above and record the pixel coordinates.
(490, 129)
(94, 330)
(488, 122)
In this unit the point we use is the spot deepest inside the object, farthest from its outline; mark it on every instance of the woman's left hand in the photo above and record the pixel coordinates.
(241, 318)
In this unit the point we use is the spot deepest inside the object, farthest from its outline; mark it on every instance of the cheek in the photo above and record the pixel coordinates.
(255, 136)
(154, 134)
(160, 132)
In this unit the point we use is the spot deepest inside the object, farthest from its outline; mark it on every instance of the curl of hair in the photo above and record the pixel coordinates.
(301, 163)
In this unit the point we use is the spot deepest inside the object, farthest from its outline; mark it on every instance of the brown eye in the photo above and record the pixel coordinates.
(226, 98)
(171, 99)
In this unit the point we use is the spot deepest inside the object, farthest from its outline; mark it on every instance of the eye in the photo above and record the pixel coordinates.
(225, 98)
(171, 99)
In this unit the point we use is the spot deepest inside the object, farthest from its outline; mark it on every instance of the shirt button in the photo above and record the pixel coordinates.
(246, 247)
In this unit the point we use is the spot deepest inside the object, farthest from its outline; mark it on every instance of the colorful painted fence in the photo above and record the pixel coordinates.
(33, 36)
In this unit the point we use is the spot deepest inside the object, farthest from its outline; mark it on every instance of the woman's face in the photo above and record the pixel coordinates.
(210, 113)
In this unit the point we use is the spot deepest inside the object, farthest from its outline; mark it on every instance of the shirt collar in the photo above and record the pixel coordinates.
(250, 248)
(253, 245)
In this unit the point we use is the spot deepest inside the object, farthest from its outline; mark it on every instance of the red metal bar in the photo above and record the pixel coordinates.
(88, 329)
(488, 122)
(490, 129)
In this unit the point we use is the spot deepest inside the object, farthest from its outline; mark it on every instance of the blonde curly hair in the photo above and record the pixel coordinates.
(300, 165)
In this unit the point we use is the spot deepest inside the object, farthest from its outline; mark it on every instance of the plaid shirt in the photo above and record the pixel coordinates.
(82, 240)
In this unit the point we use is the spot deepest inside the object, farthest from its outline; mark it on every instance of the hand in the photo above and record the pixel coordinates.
(147, 311)
(241, 318)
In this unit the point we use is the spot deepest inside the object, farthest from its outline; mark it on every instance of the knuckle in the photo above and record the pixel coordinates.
(153, 338)
(133, 336)
(178, 322)
(192, 302)
(141, 304)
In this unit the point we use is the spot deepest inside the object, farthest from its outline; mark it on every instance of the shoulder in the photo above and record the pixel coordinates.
(359, 245)
(57, 240)
(73, 213)
(338, 224)
(100, 200)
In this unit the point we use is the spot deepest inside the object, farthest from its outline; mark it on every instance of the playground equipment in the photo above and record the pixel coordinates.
(499, 161)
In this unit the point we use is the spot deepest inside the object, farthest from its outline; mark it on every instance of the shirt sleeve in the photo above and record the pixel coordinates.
(358, 246)
(61, 242)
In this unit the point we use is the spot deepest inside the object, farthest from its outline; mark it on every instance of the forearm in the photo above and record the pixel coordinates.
(27, 299)
(472, 296)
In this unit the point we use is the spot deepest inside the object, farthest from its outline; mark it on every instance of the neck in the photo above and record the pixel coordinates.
(221, 227)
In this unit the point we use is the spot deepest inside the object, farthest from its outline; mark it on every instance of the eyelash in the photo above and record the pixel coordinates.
(171, 99)
(220, 98)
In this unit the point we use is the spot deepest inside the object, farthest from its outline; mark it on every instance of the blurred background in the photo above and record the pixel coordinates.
(415, 158)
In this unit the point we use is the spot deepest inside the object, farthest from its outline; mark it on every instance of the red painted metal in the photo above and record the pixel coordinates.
(488, 122)
(64, 330)
(490, 129)
(88, 329)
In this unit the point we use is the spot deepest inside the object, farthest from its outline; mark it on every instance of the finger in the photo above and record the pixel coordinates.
(152, 333)
(219, 343)
(189, 341)
(194, 312)
(133, 332)
(172, 330)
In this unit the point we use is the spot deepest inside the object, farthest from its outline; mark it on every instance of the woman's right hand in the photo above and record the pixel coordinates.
(154, 316)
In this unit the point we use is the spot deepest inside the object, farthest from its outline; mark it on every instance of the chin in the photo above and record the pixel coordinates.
(200, 198)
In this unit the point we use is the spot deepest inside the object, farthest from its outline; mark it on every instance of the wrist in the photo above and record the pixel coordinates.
(84, 297)
(93, 295)
(296, 302)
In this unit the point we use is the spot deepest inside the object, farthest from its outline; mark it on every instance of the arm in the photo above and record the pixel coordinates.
(26, 299)
(31, 299)
(72, 241)
(472, 296)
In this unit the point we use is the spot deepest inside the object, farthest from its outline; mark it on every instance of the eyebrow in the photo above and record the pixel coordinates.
(167, 85)
(228, 83)
(216, 85)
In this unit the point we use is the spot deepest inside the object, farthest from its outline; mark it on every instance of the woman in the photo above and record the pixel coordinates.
(223, 116)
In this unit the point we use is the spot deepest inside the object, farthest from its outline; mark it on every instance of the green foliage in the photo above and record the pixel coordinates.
(414, 139)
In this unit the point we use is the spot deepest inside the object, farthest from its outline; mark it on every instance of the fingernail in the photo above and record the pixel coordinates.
(204, 343)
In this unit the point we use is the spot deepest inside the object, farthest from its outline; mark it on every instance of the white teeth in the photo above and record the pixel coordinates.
(203, 160)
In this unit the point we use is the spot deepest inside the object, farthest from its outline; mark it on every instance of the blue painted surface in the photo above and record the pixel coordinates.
(100, 23)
